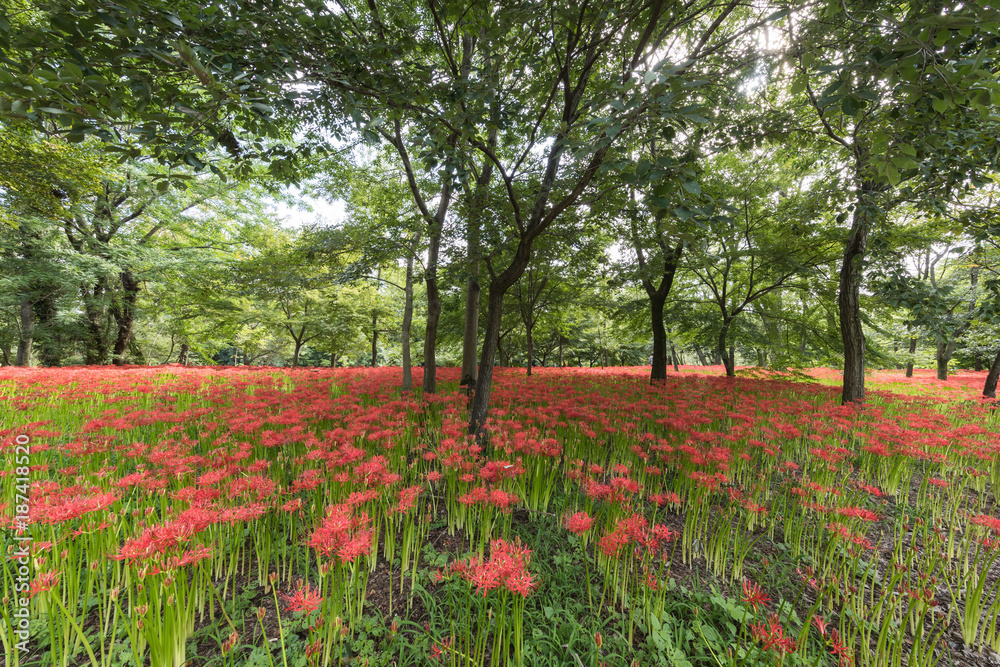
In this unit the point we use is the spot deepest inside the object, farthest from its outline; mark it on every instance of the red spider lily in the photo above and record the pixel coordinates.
(991, 522)
(754, 595)
(820, 625)
(772, 635)
(436, 652)
(304, 599)
(407, 498)
(507, 568)
(44, 582)
(843, 653)
(579, 523)
(342, 534)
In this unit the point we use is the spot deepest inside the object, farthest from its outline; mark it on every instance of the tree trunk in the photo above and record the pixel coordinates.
(124, 315)
(138, 358)
(433, 311)
(990, 388)
(659, 364)
(530, 344)
(673, 355)
(978, 362)
(27, 334)
(909, 363)
(849, 304)
(701, 355)
(50, 347)
(560, 350)
(498, 288)
(333, 360)
(470, 333)
(727, 355)
(408, 316)
(945, 351)
(295, 356)
(96, 343)
(374, 339)
(183, 358)
(484, 380)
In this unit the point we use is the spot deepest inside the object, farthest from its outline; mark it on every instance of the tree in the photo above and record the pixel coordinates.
(902, 104)
(770, 237)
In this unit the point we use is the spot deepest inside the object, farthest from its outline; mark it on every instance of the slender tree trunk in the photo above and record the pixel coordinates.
(909, 363)
(433, 311)
(673, 355)
(560, 350)
(849, 303)
(374, 339)
(530, 345)
(408, 316)
(990, 388)
(183, 358)
(124, 315)
(484, 381)
(5, 351)
(659, 364)
(23, 357)
(498, 288)
(701, 355)
(470, 333)
(727, 355)
(333, 360)
(295, 356)
(978, 362)
(173, 343)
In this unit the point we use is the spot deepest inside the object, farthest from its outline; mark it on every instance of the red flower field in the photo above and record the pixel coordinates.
(186, 516)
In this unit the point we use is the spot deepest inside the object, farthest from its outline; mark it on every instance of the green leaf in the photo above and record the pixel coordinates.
(940, 105)
(692, 186)
(683, 212)
(850, 106)
(892, 174)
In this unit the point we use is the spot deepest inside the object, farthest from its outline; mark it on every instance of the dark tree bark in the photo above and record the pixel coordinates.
(701, 355)
(727, 356)
(849, 300)
(182, 359)
(97, 346)
(945, 351)
(23, 357)
(408, 315)
(673, 355)
(657, 300)
(49, 348)
(978, 361)
(473, 289)
(375, 339)
(909, 364)
(990, 388)
(124, 314)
